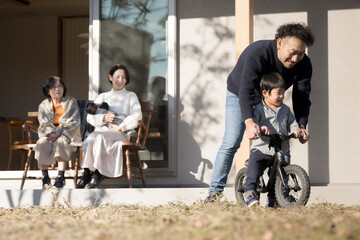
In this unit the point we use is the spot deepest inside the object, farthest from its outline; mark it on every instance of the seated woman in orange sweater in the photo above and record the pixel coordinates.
(59, 121)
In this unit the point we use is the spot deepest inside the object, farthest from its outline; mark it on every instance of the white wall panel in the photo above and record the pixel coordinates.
(344, 84)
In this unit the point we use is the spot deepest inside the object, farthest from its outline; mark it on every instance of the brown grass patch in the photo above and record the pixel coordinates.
(221, 220)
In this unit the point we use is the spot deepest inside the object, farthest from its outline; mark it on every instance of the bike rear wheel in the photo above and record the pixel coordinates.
(240, 186)
(297, 189)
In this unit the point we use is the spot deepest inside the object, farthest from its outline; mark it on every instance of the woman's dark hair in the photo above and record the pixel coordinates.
(116, 67)
(269, 81)
(49, 83)
(299, 30)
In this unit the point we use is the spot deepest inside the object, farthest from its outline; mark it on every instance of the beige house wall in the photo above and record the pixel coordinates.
(344, 110)
(206, 50)
(331, 155)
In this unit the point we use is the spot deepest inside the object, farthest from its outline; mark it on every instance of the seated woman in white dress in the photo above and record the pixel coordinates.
(102, 149)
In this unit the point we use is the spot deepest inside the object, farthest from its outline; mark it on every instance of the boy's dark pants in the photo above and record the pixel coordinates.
(256, 166)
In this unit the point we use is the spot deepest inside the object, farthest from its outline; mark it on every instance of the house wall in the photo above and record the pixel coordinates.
(344, 72)
(28, 56)
(206, 55)
(330, 157)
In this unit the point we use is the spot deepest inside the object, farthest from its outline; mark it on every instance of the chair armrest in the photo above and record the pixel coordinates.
(141, 124)
(18, 123)
(29, 127)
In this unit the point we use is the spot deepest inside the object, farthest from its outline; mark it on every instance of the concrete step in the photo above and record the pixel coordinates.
(11, 196)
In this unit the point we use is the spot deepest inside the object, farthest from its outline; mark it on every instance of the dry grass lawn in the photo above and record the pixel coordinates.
(221, 220)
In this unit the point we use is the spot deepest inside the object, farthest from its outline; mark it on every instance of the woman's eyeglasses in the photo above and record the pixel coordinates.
(59, 87)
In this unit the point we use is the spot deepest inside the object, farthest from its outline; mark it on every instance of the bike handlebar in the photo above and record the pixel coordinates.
(277, 138)
(279, 135)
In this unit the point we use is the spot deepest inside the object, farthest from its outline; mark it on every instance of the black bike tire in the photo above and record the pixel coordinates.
(239, 181)
(303, 177)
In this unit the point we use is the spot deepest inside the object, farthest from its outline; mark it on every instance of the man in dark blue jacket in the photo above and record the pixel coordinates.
(285, 55)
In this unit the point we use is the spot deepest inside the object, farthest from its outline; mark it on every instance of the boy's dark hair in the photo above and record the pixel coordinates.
(299, 30)
(269, 81)
(49, 83)
(116, 67)
(91, 108)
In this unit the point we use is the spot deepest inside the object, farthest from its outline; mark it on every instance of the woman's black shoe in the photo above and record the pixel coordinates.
(46, 182)
(83, 182)
(59, 182)
(95, 181)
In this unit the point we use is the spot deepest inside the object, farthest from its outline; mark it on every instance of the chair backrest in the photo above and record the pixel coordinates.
(86, 128)
(146, 109)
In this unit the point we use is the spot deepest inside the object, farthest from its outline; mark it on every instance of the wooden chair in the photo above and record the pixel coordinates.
(30, 144)
(129, 148)
(15, 129)
(133, 147)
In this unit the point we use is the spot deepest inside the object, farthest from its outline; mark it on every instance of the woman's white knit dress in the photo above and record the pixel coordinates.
(102, 148)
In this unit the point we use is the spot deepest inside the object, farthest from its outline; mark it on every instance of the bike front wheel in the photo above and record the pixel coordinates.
(296, 191)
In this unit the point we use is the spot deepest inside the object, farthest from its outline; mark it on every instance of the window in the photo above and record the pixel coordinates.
(140, 34)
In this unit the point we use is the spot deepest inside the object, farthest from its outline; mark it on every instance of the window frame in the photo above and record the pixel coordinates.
(94, 78)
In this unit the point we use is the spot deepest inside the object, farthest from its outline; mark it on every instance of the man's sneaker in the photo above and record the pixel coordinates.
(212, 197)
(252, 201)
(59, 182)
(46, 182)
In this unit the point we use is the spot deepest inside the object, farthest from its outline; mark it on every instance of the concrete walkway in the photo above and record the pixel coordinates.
(12, 197)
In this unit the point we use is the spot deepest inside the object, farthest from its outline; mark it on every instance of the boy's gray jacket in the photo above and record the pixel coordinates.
(69, 123)
(282, 121)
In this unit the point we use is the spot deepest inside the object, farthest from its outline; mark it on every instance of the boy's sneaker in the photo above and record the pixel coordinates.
(252, 201)
(46, 182)
(212, 197)
(59, 182)
(272, 203)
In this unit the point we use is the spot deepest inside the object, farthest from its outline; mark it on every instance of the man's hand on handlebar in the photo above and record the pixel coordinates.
(252, 129)
(304, 135)
(297, 133)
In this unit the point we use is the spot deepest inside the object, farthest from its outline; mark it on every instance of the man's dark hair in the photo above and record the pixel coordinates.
(269, 81)
(299, 30)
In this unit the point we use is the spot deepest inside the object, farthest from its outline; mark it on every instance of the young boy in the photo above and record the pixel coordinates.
(272, 115)
(93, 108)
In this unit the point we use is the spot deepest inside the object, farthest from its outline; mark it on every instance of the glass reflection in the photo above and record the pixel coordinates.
(133, 33)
